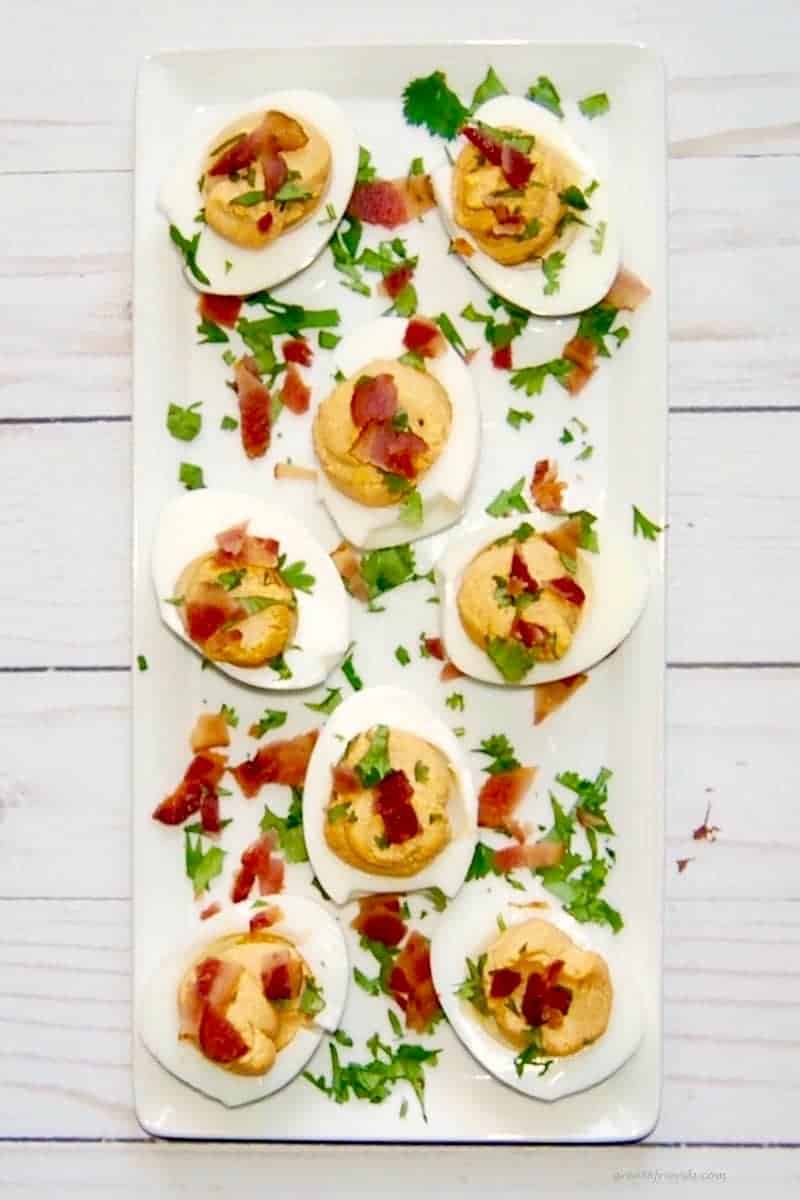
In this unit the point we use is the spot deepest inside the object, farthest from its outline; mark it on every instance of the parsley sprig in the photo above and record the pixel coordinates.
(375, 1079)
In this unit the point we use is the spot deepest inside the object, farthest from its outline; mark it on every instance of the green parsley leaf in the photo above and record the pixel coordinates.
(327, 340)
(482, 863)
(351, 674)
(290, 318)
(566, 437)
(568, 563)
(330, 215)
(436, 897)
(141, 662)
(249, 199)
(574, 197)
(231, 579)
(371, 986)
(512, 659)
(291, 190)
(588, 539)
(515, 417)
(374, 1080)
(411, 511)
(532, 378)
(184, 423)
(375, 764)
(498, 748)
(402, 656)
(289, 828)
(412, 359)
(552, 266)
(383, 570)
(229, 423)
(280, 666)
(191, 476)
(451, 333)
(332, 700)
(417, 167)
(338, 812)
(394, 1021)
(595, 324)
(211, 332)
(470, 313)
(543, 92)
(230, 714)
(596, 105)
(508, 501)
(202, 865)
(598, 238)
(429, 101)
(585, 454)
(344, 248)
(312, 1000)
(471, 987)
(271, 718)
(406, 301)
(421, 772)
(532, 1056)
(455, 701)
(366, 171)
(295, 576)
(489, 87)
(188, 248)
(342, 1038)
(643, 525)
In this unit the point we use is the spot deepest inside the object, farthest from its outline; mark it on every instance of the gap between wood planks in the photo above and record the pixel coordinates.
(266, 1145)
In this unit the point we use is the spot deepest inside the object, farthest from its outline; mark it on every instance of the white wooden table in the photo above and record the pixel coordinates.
(731, 1107)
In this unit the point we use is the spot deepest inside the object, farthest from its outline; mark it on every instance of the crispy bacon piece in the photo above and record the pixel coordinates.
(682, 864)
(209, 813)
(576, 380)
(566, 537)
(379, 202)
(435, 648)
(287, 470)
(237, 157)
(390, 449)
(544, 997)
(568, 589)
(374, 398)
(282, 977)
(219, 1040)
(521, 574)
(295, 394)
(423, 336)
(214, 985)
(706, 832)
(201, 777)
(489, 147)
(411, 983)
(345, 780)
(393, 805)
(627, 291)
(504, 982)
(258, 864)
(264, 223)
(529, 854)
(261, 552)
(515, 165)
(379, 919)
(348, 563)
(210, 729)
(528, 632)
(265, 917)
(297, 350)
(462, 247)
(547, 697)
(581, 351)
(222, 310)
(275, 132)
(417, 191)
(284, 762)
(276, 172)
(207, 607)
(450, 671)
(501, 357)
(393, 283)
(500, 796)
(255, 418)
(210, 910)
(546, 488)
(231, 541)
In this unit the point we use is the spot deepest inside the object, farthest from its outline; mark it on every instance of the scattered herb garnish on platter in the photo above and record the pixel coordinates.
(430, 102)
(543, 92)
(141, 662)
(596, 105)
(271, 718)
(289, 828)
(374, 1080)
(188, 248)
(329, 704)
(552, 266)
(202, 865)
(191, 476)
(351, 674)
(184, 423)
(531, 379)
(644, 526)
(383, 570)
(365, 171)
(508, 501)
(211, 332)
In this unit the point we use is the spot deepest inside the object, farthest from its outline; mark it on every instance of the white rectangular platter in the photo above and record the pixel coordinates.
(616, 720)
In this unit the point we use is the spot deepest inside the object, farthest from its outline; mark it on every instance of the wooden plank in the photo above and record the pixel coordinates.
(65, 287)
(65, 813)
(733, 540)
(734, 78)
(732, 1068)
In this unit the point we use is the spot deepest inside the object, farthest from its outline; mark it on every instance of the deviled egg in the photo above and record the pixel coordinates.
(389, 803)
(238, 1012)
(247, 181)
(548, 1006)
(246, 585)
(533, 208)
(524, 603)
(397, 438)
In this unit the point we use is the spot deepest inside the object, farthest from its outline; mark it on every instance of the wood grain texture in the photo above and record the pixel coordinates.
(64, 591)
(732, 1067)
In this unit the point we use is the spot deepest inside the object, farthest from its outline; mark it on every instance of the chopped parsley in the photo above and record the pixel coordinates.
(249, 199)
(331, 701)
(184, 423)
(344, 247)
(191, 476)
(421, 772)
(430, 102)
(342, 1039)
(271, 718)
(351, 674)
(230, 714)
(471, 988)
(202, 865)
(596, 105)
(451, 333)
(375, 765)
(289, 828)
(411, 510)
(544, 93)
(328, 340)
(552, 266)
(455, 701)
(375, 1079)
(280, 666)
(482, 863)
(290, 318)
(291, 190)
(231, 579)
(402, 656)
(586, 453)
(436, 895)
(383, 570)
(644, 526)
(141, 662)
(516, 416)
(365, 171)
(588, 538)
(312, 1000)
(489, 87)
(508, 501)
(532, 1056)
(574, 197)
(566, 437)
(229, 423)
(330, 215)
(295, 575)
(598, 238)
(188, 248)
(417, 167)
(532, 378)
(595, 324)
(500, 752)
(412, 359)
(211, 332)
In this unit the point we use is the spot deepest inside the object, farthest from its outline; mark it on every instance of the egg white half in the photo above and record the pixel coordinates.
(187, 529)
(399, 710)
(444, 488)
(469, 925)
(614, 602)
(320, 941)
(586, 276)
(295, 249)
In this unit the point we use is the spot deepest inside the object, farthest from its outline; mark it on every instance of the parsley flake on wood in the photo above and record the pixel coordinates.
(191, 476)
(596, 105)
(508, 501)
(430, 102)
(544, 93)
(188, 248)
(184, 423)
(644, 526)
